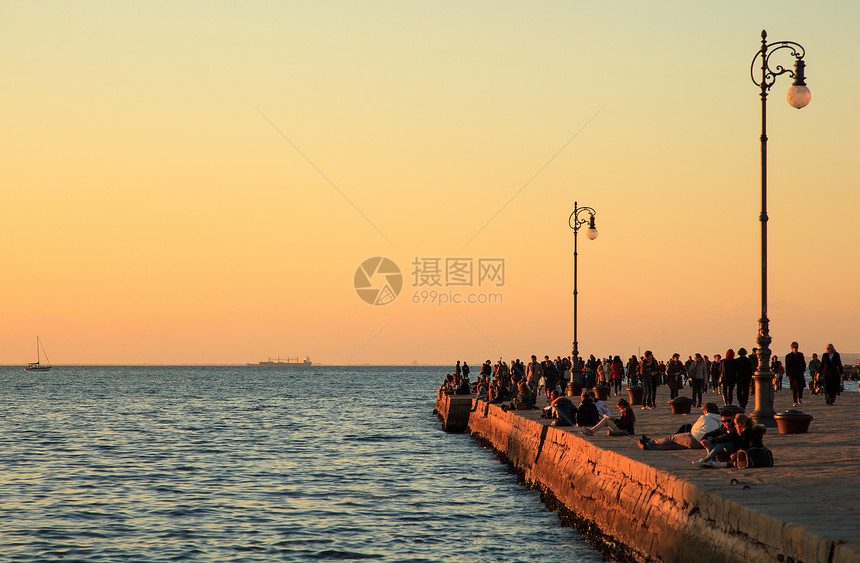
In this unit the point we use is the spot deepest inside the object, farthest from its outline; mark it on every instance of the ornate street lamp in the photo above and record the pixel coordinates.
(798, 96)
(575, 222)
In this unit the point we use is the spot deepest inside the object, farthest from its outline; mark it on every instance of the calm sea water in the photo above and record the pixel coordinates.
(250, 464)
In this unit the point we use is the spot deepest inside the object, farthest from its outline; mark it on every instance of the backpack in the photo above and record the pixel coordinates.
(754, 457)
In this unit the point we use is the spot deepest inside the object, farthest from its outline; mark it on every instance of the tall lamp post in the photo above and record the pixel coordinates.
(575, 222)
(798, 96)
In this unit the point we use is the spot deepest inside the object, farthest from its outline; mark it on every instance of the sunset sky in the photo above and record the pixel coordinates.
(197, 182)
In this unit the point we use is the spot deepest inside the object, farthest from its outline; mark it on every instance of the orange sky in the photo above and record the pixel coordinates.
(197, 182)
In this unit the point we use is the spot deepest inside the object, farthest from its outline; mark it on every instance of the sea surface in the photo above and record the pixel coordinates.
(254, 464)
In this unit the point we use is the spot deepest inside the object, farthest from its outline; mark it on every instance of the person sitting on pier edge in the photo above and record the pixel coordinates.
(518, 370)
(710, 420)
(560, 409)
(602, 409)
(494, 393)
(524, 400)
(722, 442)
(482, 391)
(622, 426)
(463, 386)
(448, 385)
(587, 414)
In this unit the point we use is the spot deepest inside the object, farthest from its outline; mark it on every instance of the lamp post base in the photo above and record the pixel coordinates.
(764, 413)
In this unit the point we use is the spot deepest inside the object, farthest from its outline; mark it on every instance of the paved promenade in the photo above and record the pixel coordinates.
(815, 483)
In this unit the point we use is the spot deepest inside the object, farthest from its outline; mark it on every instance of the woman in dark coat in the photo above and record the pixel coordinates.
(831, 373)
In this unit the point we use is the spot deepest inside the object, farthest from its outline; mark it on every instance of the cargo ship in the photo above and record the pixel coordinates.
(284, 362)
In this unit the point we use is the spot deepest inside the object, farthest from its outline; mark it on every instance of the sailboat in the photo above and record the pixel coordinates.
(37, 365)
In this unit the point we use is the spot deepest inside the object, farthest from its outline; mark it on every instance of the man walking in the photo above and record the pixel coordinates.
(795, 369)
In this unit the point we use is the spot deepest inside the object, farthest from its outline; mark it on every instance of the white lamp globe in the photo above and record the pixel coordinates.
(798, 96)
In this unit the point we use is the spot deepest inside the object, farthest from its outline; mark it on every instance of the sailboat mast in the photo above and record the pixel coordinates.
(43, 350)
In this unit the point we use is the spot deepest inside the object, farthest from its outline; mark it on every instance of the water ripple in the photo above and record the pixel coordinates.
(234, 464)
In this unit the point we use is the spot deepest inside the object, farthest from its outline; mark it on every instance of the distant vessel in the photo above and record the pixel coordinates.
(37, 365)
(284, 362)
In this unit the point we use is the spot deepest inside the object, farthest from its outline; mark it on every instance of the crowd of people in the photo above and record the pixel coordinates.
(727, 437)
(729, 375)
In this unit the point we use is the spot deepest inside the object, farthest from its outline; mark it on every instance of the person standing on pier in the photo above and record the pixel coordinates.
(674, 375)
(534, 372)
(617, 374)
(550, 374)
(743, 376)
(715, 373)
(778, 373)
(754, 364)
(649, 373)
(633, 371)
(698, 374)
(602, 372)
(727, 376)
(518, 371)
(830, 374)
(795, 369)
(814, 367)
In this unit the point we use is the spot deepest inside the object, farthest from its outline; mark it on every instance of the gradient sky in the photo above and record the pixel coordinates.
(197, 182)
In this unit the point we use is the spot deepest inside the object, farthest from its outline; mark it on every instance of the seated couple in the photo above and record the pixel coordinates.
(565, 413)
(727, 446)
(561, 409)
(708, 422)
(524, 400)
(620, 426)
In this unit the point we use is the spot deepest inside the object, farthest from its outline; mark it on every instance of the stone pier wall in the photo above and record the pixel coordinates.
(637, 511)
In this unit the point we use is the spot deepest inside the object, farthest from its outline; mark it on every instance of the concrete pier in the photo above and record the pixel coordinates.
(657, 506)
